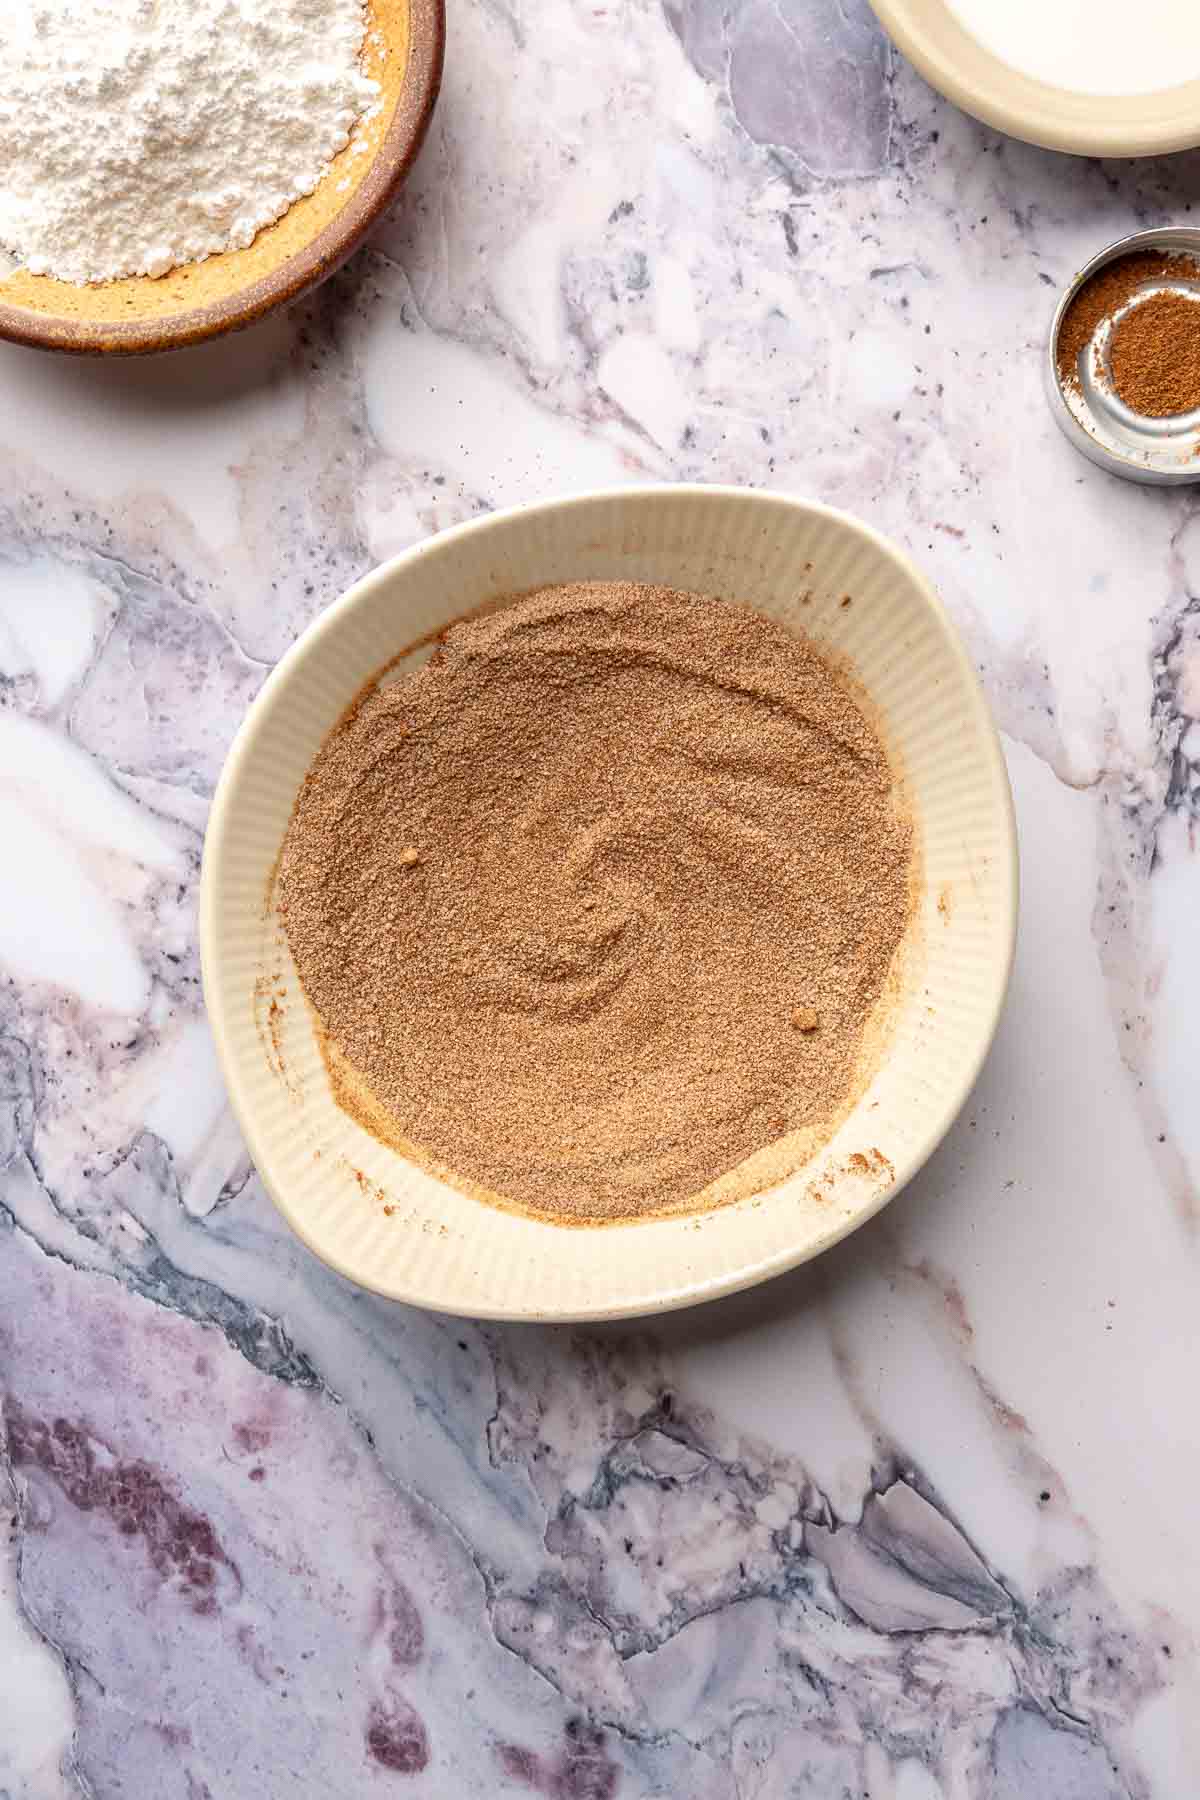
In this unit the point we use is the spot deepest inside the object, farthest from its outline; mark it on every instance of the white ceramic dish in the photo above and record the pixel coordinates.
(955, 62)
(386, 1223)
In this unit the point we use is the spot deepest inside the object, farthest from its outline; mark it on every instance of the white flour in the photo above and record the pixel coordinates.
(138, 134)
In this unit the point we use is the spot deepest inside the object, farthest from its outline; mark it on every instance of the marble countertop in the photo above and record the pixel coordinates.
(919, 1519)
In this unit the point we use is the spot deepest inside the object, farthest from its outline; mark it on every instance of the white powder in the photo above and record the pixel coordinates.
(1091, 46)
(138, 134)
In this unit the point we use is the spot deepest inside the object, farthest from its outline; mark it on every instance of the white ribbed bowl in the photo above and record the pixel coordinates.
(388, 1224)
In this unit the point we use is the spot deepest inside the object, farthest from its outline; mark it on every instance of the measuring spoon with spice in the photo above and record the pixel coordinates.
(1124, 357)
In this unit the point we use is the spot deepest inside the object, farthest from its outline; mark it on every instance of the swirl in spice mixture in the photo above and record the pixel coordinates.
(600, 902)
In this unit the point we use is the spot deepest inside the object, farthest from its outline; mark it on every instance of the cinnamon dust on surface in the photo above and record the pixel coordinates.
(662, 871)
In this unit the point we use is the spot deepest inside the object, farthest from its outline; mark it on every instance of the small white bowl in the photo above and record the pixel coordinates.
(388, 1224)
(954, 61)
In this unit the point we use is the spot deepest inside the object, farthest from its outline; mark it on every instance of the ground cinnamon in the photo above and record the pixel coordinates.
(602, 900)
(1155, 356)
(1105, 293)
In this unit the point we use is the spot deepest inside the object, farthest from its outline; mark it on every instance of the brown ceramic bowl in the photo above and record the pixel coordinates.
(405, 44)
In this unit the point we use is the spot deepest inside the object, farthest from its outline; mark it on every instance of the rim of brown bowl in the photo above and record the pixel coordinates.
(311, 264)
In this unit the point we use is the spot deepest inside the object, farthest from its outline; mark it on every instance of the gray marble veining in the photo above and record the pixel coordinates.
(913, 1522)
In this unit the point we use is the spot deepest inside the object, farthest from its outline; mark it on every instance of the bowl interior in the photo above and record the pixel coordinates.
(392, 1226)
(403, 52)
(958, 65)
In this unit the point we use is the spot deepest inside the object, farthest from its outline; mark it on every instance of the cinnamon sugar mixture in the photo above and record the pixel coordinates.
(599, 903)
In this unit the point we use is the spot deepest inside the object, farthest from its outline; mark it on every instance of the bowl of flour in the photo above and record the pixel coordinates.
(173, 169)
